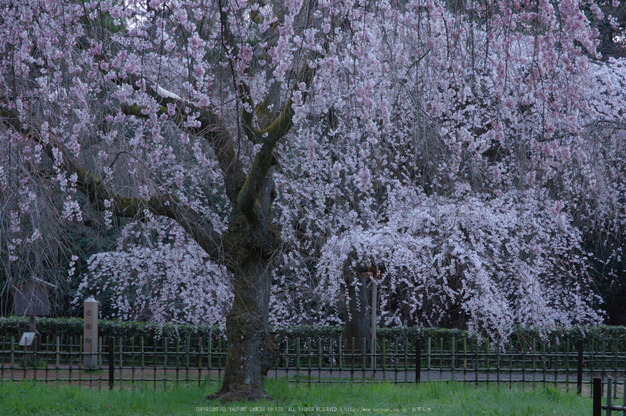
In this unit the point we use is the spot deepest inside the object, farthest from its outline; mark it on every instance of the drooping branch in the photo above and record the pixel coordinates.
(243, 91)
(103, 198)
(166, 205)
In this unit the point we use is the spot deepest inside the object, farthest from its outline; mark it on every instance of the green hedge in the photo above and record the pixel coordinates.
(73, 327)
(597, 334)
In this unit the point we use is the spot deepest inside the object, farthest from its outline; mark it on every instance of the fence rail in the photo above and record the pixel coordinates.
(125, 363)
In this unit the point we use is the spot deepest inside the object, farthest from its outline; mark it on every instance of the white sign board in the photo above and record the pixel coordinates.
(27, 339)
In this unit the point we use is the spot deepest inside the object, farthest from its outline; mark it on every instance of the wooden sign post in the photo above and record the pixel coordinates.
(370, 275)
(32, 299)
(90, 333)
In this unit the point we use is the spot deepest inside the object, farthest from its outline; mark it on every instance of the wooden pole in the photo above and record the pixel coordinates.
(374, 303)
(112, 363)
(29, 359)
(579, 378)
(418, 360)
(597, 396)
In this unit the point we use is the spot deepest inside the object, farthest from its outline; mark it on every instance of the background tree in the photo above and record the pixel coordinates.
(157, 273)
(609, 17)
(494, 99)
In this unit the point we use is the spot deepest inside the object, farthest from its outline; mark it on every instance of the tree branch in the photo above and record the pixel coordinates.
(250, 131)
(243, 90)
(211, 128)
(97, 193)
(249, 196)
(242, 190)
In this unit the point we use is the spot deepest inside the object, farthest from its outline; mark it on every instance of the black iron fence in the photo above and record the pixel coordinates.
(160, 362)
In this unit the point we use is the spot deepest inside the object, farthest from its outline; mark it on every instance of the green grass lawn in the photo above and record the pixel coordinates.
(378, 399)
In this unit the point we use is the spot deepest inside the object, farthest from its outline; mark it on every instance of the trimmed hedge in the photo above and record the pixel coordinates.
(73, 327)
(595, 338)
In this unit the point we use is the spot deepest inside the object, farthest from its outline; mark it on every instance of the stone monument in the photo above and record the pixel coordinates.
(90, 333)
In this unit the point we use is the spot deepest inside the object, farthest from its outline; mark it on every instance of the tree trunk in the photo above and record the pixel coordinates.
(251, 350)
(250, 245)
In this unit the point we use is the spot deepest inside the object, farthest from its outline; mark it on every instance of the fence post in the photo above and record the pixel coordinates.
(111, 362)
(58, 361)
(597, 396)
(309, 361)
(352, 363)
(364, 359)
(624, 399)
(579, 380)
(418, 359)
(373, 331)
(609, 394)
(200, 363)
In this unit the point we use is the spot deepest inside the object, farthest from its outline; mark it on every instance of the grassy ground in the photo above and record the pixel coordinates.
(27, 398)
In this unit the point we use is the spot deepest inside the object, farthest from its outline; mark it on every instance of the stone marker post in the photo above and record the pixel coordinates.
(90, 333)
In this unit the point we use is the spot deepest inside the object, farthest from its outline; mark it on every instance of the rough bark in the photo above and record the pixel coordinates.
(251, 350)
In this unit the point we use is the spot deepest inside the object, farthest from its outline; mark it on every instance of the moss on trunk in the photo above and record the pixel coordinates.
(251, 350)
